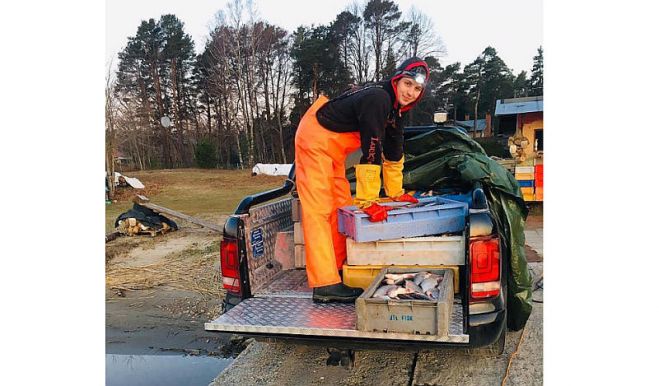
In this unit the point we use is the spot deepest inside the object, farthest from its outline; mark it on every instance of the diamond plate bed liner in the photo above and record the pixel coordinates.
(301, 316)
(289, 283)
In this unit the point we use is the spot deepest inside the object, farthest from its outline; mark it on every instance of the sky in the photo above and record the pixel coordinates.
(513, 27)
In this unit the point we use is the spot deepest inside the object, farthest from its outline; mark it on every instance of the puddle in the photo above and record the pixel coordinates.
(162, 370)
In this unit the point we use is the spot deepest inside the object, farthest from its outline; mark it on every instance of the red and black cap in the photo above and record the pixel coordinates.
(415, 68)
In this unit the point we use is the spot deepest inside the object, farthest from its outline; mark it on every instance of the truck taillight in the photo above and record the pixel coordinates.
(484, 267)
(229, 263)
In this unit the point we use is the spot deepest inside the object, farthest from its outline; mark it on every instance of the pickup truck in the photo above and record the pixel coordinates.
(272, 301)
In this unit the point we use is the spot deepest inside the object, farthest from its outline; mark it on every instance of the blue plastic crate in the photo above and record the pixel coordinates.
(466, 198)
(525, 183)
(432, 216)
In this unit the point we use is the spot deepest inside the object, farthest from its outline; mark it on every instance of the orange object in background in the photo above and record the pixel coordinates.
(539, 193)
(323, 188)
(526, 190)
(539, 178)
(529, 197)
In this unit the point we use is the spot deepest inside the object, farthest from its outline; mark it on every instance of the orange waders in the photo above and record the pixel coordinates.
(323, 188)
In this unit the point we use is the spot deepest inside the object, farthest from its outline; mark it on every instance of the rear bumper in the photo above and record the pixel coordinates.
(482, 330)
(485, 329)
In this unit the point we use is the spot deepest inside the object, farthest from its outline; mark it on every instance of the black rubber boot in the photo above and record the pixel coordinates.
(339, 292)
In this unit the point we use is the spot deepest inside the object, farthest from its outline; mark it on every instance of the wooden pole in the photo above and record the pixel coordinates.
(144, 201)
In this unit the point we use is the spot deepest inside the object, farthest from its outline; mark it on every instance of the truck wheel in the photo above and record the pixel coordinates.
(345, 358)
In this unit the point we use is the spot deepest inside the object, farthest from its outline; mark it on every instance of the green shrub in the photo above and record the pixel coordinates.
(205, 154)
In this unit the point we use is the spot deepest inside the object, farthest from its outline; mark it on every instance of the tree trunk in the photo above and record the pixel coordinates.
(166, 152)
(478, 97)
(315, 82)
(110, 137)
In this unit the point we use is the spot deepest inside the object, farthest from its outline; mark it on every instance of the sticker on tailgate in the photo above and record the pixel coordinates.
(256, 240)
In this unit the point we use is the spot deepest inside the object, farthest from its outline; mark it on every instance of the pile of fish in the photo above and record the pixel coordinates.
(419, 285)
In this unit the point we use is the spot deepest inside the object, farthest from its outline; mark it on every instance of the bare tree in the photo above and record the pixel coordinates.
(223, 52)
(282, 69)
(421, 39)
(109, 130)
(358, 46)
(381, 19)
(251, 65)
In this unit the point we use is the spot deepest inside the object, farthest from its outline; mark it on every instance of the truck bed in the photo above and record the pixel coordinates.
(284, 307)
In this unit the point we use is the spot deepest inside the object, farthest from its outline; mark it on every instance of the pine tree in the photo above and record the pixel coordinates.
(155, 69)
(498, 81)
(342, 31)
(535, 87)
(317, 65)
(450, 89)
(381, 18)
(488, 79)
(520, 85)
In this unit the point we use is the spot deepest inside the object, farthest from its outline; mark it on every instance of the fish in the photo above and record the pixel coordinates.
(406, 294)
(435, 276)
(429, 283)
(409, 286)
(395, 292)
(393, 281)
(414, 287)
(433, 293)
(421, 296)
(382, 291)
(398, 276)
(420, 276)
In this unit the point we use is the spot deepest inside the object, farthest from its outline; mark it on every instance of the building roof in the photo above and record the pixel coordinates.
(469, 125)
(518, 105)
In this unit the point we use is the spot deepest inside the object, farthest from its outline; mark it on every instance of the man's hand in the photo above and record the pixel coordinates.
(406, 198)
(377, 213)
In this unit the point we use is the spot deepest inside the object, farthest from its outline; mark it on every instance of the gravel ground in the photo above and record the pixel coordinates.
(457, 367)
(286, 364)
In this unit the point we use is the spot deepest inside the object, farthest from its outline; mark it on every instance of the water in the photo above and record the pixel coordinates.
(162, 370)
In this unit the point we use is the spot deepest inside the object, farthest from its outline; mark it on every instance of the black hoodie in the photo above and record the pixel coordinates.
(373, 111)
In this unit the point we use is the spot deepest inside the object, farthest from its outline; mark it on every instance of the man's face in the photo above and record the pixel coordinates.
(407, 90)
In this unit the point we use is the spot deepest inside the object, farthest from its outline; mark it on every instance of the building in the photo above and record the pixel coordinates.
(522, 118)
(468, 127)
(122, 162)
(483, 126)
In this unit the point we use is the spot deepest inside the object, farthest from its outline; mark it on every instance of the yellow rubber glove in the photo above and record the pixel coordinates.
(368, 185)
(392, 171)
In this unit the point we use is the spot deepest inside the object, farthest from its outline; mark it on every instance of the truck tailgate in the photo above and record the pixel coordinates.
(290, 312)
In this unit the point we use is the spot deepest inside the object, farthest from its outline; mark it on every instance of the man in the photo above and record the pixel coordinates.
(368, 117)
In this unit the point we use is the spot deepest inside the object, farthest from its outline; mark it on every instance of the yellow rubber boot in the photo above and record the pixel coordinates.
(368, 185)
(392, 171)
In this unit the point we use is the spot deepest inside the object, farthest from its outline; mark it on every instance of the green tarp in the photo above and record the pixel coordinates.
(447, 159)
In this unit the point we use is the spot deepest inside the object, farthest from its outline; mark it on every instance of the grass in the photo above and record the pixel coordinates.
(187, 270)
(196, 192)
